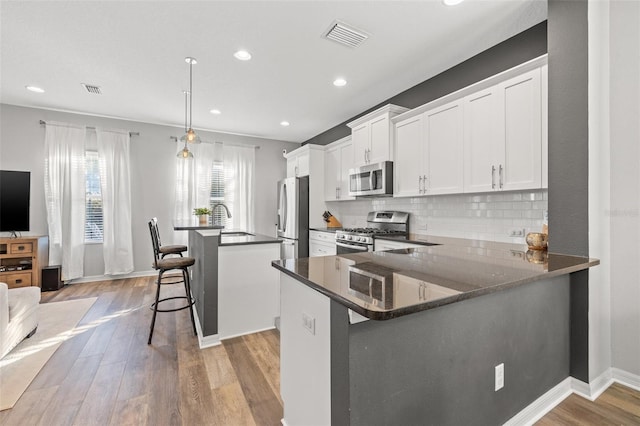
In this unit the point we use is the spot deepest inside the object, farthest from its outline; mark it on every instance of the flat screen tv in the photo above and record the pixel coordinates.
(14, 200)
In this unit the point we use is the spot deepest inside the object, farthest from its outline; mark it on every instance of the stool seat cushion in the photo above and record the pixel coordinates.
(172, 249)
(175, 262)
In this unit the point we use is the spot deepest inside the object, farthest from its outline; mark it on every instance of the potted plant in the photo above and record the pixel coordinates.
(203, 214)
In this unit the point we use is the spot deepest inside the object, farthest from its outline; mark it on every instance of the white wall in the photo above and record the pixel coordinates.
(152, 174)
(625, 184)
(599, 196)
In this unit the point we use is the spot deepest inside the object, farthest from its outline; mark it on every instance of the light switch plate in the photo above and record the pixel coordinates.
(309, 323)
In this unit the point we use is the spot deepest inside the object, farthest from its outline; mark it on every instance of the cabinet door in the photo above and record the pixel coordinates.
(346, 163)
(303, 164)
(483, 140)
(410, 147)
(292, 166)
(522, 166)
(317, 248)
(544, 107)
(380, 140)
(331, 173)
(443, 127)
(360, 141)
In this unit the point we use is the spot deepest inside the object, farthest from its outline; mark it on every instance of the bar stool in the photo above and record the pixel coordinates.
(168, 250)
(163, 265)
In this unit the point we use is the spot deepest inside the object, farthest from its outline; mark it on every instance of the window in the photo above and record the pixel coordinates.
(217, 192)
(93, 225)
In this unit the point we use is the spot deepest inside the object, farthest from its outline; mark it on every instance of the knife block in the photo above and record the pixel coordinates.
(332, 222)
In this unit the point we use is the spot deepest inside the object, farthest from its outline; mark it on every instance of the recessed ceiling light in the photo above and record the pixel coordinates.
(34, 89)
(284, 123)
(452, 2)
(339, 82)
(242, 55)
(215, 112)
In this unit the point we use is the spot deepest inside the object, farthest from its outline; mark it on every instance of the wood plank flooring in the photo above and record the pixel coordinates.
(108, 375)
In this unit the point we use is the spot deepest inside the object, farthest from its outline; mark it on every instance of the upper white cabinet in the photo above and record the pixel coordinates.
(429, 149)
(338, 161)
(372, 135)
(503, 135)
(298, 162)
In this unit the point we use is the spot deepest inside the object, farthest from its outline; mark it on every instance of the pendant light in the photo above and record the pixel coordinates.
(190, 135)
(185, 153)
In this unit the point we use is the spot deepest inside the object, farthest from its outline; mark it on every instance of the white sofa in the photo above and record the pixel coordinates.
(18, 315)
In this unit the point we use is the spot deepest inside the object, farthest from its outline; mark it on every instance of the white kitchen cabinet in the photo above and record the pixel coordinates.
(409, 291)
(544, 86)
(503, 135)
(321, 243)
(372, 135)
(382, 245)
(338, 161)
(298, 163)
(429, 152)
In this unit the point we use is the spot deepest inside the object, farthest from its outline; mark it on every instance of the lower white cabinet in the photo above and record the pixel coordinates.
(381, 245)
(321, 243)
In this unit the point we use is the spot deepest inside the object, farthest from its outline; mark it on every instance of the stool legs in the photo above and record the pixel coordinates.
(155, 306)
(187, 289)
(190, 302)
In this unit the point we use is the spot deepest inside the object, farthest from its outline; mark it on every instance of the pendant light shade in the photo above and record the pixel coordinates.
(185, 153)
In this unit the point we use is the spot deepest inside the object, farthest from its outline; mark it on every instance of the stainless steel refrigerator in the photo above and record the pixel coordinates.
(293, 217)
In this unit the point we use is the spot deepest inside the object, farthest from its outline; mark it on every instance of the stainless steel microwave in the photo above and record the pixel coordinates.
(372, 179)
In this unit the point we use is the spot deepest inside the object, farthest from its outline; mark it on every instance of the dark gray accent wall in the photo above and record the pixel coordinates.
(340, 406)
(436, 367)
(204, 282)
(520, 48)
(569, 159)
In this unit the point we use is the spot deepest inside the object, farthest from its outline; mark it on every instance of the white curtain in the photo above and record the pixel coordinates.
(239, 184)
(193, 184)
(115, 182)
(64, 185)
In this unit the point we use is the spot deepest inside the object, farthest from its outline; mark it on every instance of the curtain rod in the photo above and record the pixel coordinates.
(93, 128)
(175, 139)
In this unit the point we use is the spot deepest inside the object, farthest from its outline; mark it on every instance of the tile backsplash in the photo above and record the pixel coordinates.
(488, 216)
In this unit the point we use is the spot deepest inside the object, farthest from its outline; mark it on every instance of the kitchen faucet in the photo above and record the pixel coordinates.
(213, 209)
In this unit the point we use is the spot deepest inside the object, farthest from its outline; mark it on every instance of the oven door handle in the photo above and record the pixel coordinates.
(352, 246)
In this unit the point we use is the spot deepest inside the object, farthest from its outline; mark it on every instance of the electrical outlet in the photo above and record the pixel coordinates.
(309, 323)
(499, 373)
(516, 232)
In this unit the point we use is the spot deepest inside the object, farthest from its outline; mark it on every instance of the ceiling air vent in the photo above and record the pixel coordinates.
(92, 89)
(345, 34)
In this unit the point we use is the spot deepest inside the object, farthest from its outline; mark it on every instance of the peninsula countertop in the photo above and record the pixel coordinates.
(388, 284)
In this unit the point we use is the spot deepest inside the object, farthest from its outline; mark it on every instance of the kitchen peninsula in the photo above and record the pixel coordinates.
(413, 336)
(232, 299)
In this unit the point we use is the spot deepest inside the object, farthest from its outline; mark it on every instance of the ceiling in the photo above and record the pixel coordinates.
(135, 52)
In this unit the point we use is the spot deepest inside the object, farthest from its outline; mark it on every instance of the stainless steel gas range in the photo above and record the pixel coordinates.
(357, 240)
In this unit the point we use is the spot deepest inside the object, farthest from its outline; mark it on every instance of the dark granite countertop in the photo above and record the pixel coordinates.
(418, 279)
(193, 224)
(232, 238)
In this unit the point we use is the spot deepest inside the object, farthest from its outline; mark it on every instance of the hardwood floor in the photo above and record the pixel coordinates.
(108, 375)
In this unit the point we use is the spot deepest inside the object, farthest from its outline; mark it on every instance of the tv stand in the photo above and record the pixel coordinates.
(22, 260)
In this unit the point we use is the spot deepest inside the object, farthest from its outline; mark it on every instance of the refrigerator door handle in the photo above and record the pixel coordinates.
(284, 205)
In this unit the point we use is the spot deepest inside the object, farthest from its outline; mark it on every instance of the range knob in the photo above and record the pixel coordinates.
(361, 239)
(349, 237)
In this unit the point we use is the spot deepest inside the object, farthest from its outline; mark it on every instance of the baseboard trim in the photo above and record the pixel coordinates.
(625, 378)
(541, 406)
(205, 341)
(248, 332)
(94, 278)
(591, 391)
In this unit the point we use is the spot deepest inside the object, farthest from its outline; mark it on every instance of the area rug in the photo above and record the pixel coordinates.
(57, 323)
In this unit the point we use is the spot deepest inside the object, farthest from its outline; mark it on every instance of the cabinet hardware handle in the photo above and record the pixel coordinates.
(500, 174)
(419, 184)
(493, 180)
(424, 183)
(20, 247)
(18, 281)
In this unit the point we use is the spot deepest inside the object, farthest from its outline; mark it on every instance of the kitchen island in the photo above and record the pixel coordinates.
(235, 289)
(413, 336)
